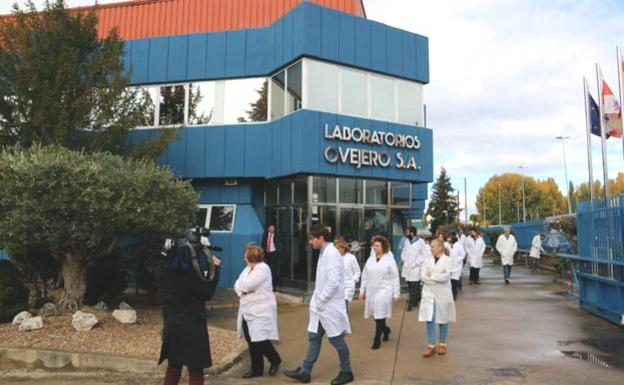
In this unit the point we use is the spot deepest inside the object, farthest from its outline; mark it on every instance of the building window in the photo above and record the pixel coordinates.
(376, 192)
(353, 92)
(278, 85)
(382, 98)
(245, 101)
(293, 96)
(201, 103)
(322, 86)
(217, 218)
(172, 103)
(351, 190)
(400, 194)
(409, 102)
(323, 189)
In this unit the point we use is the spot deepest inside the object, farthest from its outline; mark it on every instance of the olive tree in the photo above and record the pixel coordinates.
(79, 206)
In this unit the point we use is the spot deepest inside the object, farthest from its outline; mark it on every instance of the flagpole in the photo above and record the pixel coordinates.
(603, 135)
(620, 69)
(590, 166)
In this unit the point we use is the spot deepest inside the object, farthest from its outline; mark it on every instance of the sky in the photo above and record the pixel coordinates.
(506, 78)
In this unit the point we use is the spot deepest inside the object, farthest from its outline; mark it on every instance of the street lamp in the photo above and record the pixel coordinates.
(523, 199)
(565, 167)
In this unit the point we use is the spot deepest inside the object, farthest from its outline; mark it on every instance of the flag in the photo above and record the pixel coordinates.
(594, 116)
(612, 112)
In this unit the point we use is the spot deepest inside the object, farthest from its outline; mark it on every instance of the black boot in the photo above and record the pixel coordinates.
(298, 375)
(343, 378)
(386, 334)
(376, 343)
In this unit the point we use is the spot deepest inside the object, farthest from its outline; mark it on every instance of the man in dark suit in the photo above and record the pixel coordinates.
(271, 247)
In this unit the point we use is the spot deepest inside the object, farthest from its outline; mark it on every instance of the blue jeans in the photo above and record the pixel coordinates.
(431, 332)
(507, 271)
(314, 348)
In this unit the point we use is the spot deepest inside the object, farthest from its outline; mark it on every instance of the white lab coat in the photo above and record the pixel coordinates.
(351, 276)
(380, 284)
(257, 303)
(437, 290)
(507, 247)
(413, 256)
(536, 247)
(475, 248)
(462, 240)
(447, 245)
(327, 304)
(458, 254)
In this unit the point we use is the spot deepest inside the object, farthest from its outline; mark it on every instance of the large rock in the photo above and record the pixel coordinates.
(48, 309)
(125, 316)
(83, 321)
(32, 323)
(21, 317)
(125, 306)
(101, 305)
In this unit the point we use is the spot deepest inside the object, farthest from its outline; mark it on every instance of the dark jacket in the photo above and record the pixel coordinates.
(276, 241)
(185, 333)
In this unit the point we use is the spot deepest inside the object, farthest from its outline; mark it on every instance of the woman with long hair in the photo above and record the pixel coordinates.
(352, 268)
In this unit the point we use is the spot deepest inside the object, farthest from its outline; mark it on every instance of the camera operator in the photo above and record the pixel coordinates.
(183, 291)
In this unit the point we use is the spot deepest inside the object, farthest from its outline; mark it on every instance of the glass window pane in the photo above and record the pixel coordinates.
(222, 218)
(322, 86)
(353, 92)
(410, 102)
(382, 98)
(201, 103)
(400, 193)
(375, 223)
(293, 96)
(277, 95)
(301, 190)
(324, 189)
(200, 218)
(172, 105)
(285, 192)
(351, 190)
(245, 100)
(147, 96)
(376, 192)
(271, 193)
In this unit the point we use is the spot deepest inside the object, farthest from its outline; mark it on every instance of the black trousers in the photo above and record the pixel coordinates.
(259, 350)
(415, 292)
(455, 287)
(273, 262)
(474, 274)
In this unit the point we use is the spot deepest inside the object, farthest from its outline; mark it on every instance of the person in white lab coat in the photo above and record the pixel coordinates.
(352, 269)
(536, 251)
(257, 312)
(507, 246)
(437, 306)
(442, 238)
(380, 288)
(475, 247)
(413, 255)
(458, 255)
(328, 312)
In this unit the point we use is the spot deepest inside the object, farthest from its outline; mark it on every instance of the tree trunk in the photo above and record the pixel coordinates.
(75, 282)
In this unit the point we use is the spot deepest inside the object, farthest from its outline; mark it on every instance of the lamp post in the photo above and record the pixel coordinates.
(523, 198)
(500, 209)
(565, 167)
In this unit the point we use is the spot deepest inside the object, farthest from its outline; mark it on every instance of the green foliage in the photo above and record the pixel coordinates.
(13, 293)
(560, 263)
(443, 203)
(62, 85)
(78, 206)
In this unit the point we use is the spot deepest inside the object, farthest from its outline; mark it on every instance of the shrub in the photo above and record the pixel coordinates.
(13, 293)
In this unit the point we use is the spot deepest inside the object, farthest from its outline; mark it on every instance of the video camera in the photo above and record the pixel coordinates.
(194, 249)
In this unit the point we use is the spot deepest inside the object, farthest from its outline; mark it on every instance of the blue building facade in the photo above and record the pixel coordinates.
(316, 118)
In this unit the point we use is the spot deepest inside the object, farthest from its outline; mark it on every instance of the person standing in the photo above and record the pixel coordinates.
(257, 312)
(458, 255)
(507, 246)
(437, 306)
(184, 293)
(536, 250)
(475, 248)
(413, 256)
(381, 287)
(271, 247)
(352, 269)
(328, 312)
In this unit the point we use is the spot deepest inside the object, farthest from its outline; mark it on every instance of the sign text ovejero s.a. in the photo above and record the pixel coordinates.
(360, 157)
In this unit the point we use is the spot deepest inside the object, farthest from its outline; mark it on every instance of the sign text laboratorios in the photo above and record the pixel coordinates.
(361, 157)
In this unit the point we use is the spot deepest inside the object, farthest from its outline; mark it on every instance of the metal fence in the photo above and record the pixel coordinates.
(524, 232)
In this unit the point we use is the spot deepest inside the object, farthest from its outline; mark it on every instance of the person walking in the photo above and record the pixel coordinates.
(458, 255)
(328, 312)
(413, 255)
(352, 269)
(536, 251)
(271, 247)
(183, 293)
(475, 248)
(437, 306)
(380, 288)
(257, 312)
(507, 246)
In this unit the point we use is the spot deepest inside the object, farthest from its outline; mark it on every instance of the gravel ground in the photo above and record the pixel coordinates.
(141, 340)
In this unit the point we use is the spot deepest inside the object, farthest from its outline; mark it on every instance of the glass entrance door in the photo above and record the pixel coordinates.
(351, 229)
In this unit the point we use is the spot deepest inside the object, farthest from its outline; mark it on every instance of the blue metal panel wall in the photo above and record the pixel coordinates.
(307, 30)
(290, 145)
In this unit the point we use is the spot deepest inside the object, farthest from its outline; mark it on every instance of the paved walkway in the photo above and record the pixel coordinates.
(524, 326)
